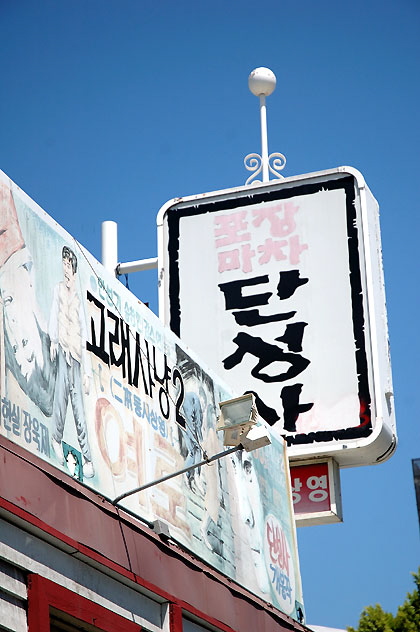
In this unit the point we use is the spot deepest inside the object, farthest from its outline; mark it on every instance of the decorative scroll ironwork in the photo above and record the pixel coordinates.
(276, 163)
(254, 163)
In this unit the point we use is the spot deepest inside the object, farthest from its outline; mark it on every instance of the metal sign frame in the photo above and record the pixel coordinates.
(372, 438)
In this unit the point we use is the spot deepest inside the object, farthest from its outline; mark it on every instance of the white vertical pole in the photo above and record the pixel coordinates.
(262, 83)
(264, 139)
(110, 246)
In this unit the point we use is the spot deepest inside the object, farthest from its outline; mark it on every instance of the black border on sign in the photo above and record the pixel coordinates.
(254, 196)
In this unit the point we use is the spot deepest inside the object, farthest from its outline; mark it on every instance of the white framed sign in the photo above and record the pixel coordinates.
(279, 288)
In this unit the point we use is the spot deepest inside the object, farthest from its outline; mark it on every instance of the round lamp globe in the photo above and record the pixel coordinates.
(262, 82)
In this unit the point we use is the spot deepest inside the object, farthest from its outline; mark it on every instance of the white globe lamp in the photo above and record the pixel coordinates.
(262, 82)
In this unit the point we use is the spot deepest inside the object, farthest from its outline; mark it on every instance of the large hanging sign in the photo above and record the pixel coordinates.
(92, 382)
(279, 288)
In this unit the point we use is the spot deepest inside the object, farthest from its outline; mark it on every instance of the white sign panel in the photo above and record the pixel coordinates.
(279, 288)
(93, 383)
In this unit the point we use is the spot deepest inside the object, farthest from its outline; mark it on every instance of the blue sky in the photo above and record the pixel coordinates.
(109, 109)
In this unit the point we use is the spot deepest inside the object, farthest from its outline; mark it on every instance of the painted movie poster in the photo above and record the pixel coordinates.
(92, 382)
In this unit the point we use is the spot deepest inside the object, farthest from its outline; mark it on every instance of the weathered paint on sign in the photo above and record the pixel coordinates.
(92, 382)
(285, 279)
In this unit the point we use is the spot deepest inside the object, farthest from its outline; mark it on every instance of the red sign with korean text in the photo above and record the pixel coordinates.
(311, 490)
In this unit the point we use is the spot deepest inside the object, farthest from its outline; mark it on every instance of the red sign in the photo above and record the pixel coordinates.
(310, 488)
(316, 495)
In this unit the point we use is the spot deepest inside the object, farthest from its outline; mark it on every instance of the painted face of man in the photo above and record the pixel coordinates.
(68, 273)
(20, 318)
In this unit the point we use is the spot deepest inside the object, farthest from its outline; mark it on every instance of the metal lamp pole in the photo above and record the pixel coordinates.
(262, 83)
(206, 461)
(264, 138)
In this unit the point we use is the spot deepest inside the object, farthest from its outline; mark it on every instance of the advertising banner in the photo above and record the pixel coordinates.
(286, 281)
(93, 383)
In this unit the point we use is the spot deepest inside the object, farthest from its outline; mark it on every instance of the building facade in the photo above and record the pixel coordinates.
(70, 560)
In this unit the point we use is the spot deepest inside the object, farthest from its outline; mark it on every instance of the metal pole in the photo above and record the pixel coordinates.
(264, 139)
(137, 266)
(173, 474)
(262, 83)
(110, 246)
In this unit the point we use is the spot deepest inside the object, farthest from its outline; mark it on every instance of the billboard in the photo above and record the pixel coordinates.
(279, 288)
(93, 383)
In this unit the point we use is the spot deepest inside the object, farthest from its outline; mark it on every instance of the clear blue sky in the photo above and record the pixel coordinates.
(110, 108)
